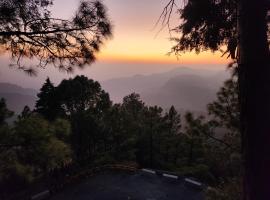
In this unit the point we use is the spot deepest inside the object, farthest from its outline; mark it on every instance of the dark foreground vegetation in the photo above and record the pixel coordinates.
(133, 131)
(75, 124)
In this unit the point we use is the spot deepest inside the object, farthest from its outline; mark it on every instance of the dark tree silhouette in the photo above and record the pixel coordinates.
(173, 120)
(48, 104)
(80, 94)
(242, 27)
(26, 112)
(84, 103)
(206, 25)
(225, 111)
(4, 111)
(28, 30)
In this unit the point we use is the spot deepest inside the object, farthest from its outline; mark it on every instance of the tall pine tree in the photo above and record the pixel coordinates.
(48, 104)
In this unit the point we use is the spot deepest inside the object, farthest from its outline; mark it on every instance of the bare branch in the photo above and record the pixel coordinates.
(165, 17)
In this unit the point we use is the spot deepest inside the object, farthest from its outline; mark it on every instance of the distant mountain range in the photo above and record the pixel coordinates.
(17, 97)
(185, 88)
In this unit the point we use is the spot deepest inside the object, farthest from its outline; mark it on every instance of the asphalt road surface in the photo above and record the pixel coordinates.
(129, 186)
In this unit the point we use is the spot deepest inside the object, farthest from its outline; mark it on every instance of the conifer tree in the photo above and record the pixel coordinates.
(48, 104)
(28, 30)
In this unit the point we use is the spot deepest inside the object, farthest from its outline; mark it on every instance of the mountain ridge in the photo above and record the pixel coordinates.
(17, 97)
(165, 89)
(185, 88)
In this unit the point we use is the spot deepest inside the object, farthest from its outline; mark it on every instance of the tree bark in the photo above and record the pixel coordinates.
(254, 85)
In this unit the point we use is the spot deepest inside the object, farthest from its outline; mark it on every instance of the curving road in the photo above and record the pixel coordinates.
(129, 186)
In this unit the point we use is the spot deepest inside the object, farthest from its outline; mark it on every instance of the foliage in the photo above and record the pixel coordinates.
(225, 110)
(84, 103)
(173, 121)
(4, 112)
(205, 25)
(208, 25)
(81, 94)
(229, 190)
(225, 113)
(226, 159)
(48, 104)
(41, 149)
(28, 30)
(62, 129)
(194, 131)
(92, 131)
(31, 148)
(213, 25)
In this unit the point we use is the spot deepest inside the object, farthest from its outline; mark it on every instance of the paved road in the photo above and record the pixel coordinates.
(129, 186)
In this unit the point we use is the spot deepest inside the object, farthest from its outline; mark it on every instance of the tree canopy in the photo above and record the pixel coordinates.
(80, 94)
(205, 25)
(241, 30)
(29, 30)
(4, 111)
(48, 104)
(91, 131)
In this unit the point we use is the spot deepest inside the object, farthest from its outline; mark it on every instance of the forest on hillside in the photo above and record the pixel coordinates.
(75, 125)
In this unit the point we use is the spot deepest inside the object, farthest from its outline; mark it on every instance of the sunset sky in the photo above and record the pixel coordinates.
(135, 38)
(134, 49)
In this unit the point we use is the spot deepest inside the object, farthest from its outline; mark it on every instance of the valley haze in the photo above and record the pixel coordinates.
(186, 88)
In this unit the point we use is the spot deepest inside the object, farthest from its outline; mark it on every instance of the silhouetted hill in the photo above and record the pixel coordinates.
(12, 88)
(17, 97)
(185, 92)
(187, 89)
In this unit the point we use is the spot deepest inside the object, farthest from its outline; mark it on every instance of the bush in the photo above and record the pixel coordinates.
(228, 190)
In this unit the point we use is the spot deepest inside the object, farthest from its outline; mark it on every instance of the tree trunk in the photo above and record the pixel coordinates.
(254, 85)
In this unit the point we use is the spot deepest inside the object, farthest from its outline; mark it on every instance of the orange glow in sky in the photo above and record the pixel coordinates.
(143, 46)
(134, 39)
(186, 59)
(135, 48)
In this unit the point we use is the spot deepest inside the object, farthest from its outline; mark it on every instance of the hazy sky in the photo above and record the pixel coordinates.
(134, 48)
(134, 39)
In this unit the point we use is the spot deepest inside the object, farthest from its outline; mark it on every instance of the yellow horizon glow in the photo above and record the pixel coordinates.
(205, 57)
(136, 39)
(143, 47)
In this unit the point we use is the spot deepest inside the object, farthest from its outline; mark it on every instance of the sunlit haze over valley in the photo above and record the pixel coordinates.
(137, 46)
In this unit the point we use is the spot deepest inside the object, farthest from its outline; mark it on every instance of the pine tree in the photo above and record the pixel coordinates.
(173, 120)
(28, 30)
(4, 111)
(48, 104)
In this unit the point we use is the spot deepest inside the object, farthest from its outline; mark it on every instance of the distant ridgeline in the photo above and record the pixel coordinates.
(187, 89)
(17, 97)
